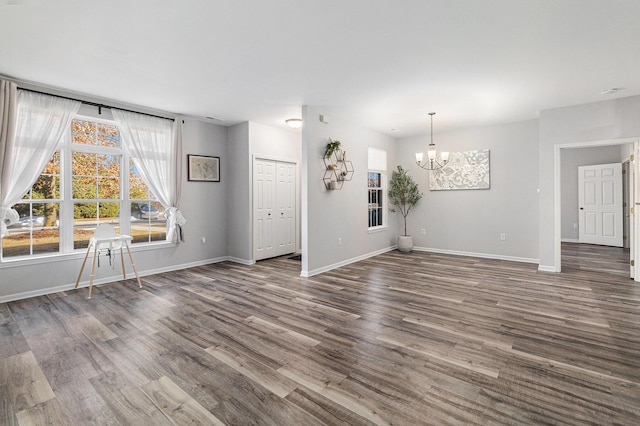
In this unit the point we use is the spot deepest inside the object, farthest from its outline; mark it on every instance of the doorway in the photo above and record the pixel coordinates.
(274, 208)
(628, 150)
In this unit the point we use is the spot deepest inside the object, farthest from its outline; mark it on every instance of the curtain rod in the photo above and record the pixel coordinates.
(100, 106)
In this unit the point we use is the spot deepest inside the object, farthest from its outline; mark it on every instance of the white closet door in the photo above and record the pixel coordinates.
(274, 204)
(286, 202)
(264, 191)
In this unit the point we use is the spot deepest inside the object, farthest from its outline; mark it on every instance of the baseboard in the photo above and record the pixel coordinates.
(307, 274)
(106, 280)
(181, 266)
(547, 268)
(247, 262)
(481, 255)
(569, 240)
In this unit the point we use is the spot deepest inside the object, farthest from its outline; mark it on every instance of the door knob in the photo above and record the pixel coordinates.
(581, 208)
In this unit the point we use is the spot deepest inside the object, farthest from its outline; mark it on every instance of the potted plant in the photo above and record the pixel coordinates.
(403, 194)
(332, 146)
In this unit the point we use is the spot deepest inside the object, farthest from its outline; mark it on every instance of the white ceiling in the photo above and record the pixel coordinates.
(381, 63)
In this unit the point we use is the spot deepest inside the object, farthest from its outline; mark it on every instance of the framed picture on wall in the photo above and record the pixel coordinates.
(203, 168)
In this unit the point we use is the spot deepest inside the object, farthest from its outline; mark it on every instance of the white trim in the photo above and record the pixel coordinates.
(247, 262)
(557, 210)
(377, 229)
(557, 189)
(111, 279)
(480, 255)
(274, 158)
(543, 268)
(307, 274)
(570, 240)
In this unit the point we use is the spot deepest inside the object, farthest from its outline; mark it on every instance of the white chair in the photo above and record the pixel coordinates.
(105, 237)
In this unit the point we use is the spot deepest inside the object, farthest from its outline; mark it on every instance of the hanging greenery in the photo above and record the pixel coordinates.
(332, 146)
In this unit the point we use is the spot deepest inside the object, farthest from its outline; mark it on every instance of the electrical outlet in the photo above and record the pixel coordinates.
(575, 226)
(339, 241)
(203, 240)
(503, 237)
(423, 231)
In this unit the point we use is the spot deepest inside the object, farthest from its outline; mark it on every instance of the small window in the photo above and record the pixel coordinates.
(97, 134)
(376, 186)
(376, 217)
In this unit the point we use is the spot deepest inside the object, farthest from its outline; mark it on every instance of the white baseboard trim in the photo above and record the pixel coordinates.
(178, 267)
(307, 274)
(547, 268)
(481, 255)
(247, 262)
(569, 240)
(106, 280)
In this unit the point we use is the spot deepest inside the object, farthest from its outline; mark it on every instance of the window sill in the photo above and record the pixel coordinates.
(77, 254)
(377, 229)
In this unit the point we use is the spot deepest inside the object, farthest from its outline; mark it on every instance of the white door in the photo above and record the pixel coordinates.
(285, 195)
(264, 190)
(274, 204)
(600, 201)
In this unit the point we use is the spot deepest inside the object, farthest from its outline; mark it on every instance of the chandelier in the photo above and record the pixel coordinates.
(432, 162)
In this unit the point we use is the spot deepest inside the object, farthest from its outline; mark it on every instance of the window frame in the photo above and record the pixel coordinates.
(66, 221)
(377, 163)
(382, 206)
(70, 148)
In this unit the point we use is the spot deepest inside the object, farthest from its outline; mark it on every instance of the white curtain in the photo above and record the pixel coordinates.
(155, 145)
(8, 108)
(40, 123)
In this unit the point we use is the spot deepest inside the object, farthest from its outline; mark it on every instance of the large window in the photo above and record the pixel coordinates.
(376, 187)
(83, 185)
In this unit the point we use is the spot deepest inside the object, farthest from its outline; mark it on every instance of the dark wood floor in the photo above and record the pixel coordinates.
(401, 339)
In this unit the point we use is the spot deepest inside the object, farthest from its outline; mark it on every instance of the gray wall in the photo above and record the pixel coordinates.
(570, 161)
(206, 217)
(471, 221)
(239, 204)
(598, 121)
(330, 215)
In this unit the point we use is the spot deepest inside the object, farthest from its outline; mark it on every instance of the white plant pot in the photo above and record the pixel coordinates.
(405, 243)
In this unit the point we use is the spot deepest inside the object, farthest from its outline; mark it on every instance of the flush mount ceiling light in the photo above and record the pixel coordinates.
(432, 163)
(294, 123)
(611, 91)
